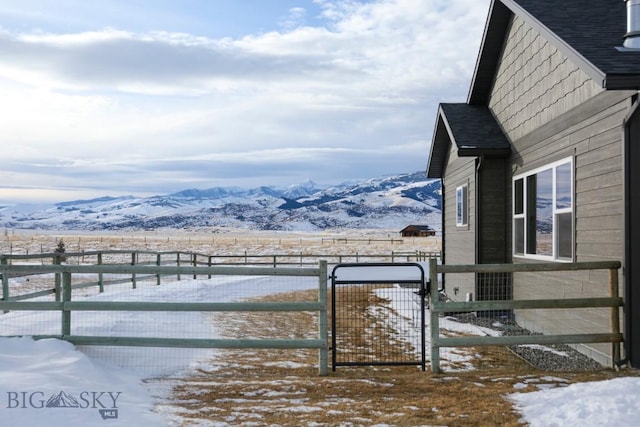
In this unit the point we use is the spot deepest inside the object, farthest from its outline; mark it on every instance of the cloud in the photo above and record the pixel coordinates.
(130, 109)
(295, 18)
(155, 63)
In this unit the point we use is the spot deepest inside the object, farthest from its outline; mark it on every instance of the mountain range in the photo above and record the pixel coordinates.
(390, 202)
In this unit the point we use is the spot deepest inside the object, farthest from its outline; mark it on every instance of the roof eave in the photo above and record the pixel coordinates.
(490, 50)
(622, 82)
(435, 164)
(486, 152)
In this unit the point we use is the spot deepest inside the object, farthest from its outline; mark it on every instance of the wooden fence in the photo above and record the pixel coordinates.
(195, 258)
(438, 308)
(66, 306)
(178, 258)
(192, 264)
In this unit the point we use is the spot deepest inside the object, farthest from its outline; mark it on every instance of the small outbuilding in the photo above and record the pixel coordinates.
(417, 231)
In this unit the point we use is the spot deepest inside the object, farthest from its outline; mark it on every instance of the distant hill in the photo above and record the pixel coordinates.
(390, 202)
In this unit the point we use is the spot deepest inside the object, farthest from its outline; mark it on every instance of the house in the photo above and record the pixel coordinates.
(542, 162)
(417, 231)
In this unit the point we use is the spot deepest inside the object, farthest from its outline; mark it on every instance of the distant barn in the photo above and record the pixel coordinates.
(417, 231)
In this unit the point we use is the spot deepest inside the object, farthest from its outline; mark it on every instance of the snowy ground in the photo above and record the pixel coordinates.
(50, 381)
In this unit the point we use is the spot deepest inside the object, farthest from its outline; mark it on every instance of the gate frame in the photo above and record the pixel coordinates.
(424, 291)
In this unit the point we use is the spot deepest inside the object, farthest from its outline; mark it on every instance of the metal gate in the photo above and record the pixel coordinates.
(378, 314)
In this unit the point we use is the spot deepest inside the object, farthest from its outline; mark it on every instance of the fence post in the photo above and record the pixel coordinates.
(66, 297)
(56, 277)
(209, 264)
(194, 260)
(100, 275)
(434, 320)
(178, 262)
(615, 315)
(323, 359)
(158, 263)
(5, 283)
(133, 275)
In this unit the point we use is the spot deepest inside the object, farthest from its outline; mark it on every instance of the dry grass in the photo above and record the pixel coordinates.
(219, 242)
(282, 387)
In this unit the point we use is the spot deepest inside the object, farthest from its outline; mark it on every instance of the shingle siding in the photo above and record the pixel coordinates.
(535, 83)
(459, 247)
(595, 143)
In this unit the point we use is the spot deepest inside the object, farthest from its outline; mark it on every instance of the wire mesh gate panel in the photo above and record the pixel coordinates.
(378, 314)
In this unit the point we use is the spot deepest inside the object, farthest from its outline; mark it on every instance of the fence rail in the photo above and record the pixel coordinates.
(197, 258)
(66, 306)
(437, 308)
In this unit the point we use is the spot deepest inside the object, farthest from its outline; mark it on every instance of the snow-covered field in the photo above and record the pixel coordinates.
(106, 382)
(50, 382)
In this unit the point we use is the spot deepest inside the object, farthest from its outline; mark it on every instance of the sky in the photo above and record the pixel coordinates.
(103, 379)
(146, 97)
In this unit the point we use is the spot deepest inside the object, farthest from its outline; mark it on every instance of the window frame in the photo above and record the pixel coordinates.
(524, 217)
(462, 205)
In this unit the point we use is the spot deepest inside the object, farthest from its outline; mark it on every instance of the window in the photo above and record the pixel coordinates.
(543, 212)
(462, 211)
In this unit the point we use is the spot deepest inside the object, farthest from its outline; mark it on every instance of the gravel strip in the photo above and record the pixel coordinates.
(548, 357)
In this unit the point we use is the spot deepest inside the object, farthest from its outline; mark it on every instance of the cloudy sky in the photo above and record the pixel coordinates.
(143, 97)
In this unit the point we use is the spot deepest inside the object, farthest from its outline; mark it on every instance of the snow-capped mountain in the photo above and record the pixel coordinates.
(379, 203)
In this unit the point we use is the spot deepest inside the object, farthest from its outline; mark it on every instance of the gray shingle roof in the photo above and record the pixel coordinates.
(593, 28)
(474, 131)
(587, 32)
